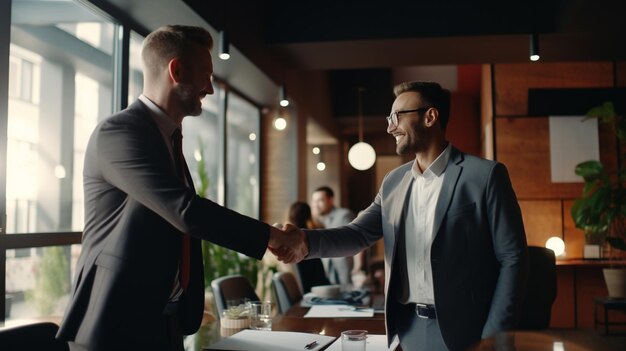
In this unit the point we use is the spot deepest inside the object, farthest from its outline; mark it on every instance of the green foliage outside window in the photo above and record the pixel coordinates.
(52, 281)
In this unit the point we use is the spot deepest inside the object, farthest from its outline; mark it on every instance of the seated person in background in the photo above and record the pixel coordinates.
(338, 269)
(308, 272)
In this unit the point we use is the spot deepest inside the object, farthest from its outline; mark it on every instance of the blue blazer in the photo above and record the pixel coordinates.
(478, 254)
(136, 209)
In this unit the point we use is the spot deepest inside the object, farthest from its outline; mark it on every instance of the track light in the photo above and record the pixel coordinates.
(282, 93)
(224, 46)
(534, 47)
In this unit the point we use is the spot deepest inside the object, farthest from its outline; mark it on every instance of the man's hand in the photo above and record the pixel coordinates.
(289, 245)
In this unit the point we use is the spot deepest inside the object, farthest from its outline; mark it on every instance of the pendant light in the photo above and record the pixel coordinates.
(534, 47)
(224, 53)
(361, 155)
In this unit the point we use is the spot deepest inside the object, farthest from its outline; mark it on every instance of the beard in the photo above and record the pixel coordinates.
(189, 101)
(415, 141)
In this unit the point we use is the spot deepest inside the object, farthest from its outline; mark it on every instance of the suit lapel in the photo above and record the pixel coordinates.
(451, 176)
(403, 191)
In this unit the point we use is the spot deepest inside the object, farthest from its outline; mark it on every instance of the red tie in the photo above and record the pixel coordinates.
(181, 169)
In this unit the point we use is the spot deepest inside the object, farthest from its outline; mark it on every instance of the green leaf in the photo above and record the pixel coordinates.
(590, 170)
(606, 110)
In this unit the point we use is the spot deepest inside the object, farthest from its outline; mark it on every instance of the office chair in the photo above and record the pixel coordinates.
(231, 287)
(540, 289)
(32, 337)
(286, 289)
(311, 273)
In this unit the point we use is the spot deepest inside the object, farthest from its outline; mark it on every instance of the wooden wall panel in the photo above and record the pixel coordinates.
(542, 219)
(512, 81)
(620, 68)
(486, 114)
(574, 238)
(523, 145)
(563, 310)
(464, 125)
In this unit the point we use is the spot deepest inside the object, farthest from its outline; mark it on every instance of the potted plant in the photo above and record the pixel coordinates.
(601, 210)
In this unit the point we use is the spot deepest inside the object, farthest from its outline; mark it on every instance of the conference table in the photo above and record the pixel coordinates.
(294, 320)
(548, 340)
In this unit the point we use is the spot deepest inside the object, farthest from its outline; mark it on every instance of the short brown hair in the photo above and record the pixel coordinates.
(432, 94)
(171, 41)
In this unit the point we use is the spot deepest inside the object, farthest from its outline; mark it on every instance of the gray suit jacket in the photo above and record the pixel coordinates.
(478, 254)
(136, 209)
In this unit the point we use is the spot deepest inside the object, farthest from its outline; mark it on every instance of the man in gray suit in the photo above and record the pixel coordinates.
(139, 283)
(455, 247)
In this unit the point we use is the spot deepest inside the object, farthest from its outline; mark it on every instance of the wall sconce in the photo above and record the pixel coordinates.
(224, 53)
(557, 245)
(534, 47)
(361, 155)
(282, 96)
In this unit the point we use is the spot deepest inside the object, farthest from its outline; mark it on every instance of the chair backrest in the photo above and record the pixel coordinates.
(311, 273)
(286, 289)
(540, 289)
(231, 287)
(32, 337)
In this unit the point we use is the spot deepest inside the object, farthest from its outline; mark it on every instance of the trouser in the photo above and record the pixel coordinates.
(418, 334)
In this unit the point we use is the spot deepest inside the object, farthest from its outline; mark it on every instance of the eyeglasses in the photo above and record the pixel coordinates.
(393, 117)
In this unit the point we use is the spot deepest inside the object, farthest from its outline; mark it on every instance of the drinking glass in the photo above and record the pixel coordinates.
(261, 315)
(353, 340)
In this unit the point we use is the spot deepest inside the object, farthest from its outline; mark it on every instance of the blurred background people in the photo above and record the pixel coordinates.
(339, 270)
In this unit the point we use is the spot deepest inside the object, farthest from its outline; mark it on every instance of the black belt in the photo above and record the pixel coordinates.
(425, 311)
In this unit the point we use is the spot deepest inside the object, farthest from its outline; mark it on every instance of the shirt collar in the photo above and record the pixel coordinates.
(165, 124)
(437, 167)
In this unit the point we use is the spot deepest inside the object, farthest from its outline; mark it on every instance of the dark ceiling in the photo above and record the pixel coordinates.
(361, 42)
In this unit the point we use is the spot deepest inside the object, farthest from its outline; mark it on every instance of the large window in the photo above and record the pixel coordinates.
(242, 187)
(135, 76)
(64, 74)
(202, 146)
(60, 85)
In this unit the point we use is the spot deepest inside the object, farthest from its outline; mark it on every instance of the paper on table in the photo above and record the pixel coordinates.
(375, 342)
(262, 340)
(333, 311)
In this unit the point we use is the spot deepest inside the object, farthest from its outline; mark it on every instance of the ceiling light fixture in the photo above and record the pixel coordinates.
(534, 47)
(321, 165)
(361, 155)
(282, 95)
(224, 46)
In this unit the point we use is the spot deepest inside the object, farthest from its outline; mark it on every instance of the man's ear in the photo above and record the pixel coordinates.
(174, 69)
(431, 117)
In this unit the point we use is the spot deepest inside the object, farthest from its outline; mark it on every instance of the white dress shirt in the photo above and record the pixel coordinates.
(419, 227)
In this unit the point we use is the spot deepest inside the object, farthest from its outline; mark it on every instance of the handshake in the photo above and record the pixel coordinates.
(289, 244)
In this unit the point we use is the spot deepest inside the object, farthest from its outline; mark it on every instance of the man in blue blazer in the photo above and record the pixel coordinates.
(139, 283)
(455, 247)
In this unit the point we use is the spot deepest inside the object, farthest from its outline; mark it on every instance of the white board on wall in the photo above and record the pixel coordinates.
(573, 139)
